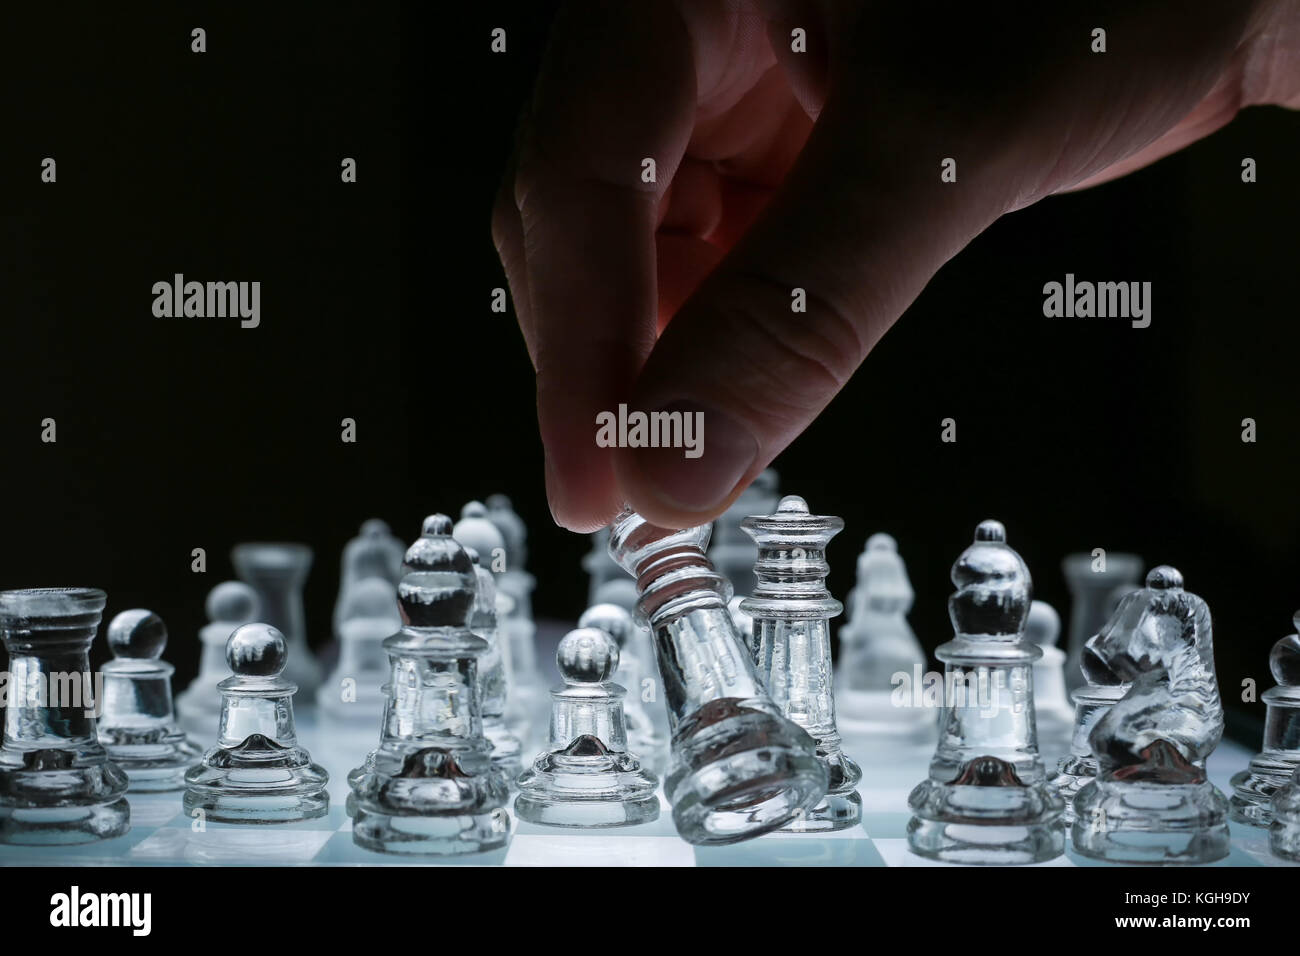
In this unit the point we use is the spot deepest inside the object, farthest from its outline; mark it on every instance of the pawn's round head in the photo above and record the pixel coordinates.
(475, 530)
(1044, 625)
(137, 635)
(234, 602)
(375, 528)
(792, 505)
(882, 542)
(614, 620)
(1284, 661)
(257, 650)
(587, 656)
(1165, 578)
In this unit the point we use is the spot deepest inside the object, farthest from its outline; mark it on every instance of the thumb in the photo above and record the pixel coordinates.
(777, 329)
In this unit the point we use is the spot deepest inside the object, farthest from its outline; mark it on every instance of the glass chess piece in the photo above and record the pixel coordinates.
(479, 537)
(1151, 801)
(790, 639)
(1053, 713)
(354, 693)
(643, 735)
(257, 772)
(639, 653)
(877, 645)
(600, 567)
(1284, 830)
(57, 783)
(526, 698)
(732, 551)
(738, 768)
(986, 800)
(230, 605)
(374, 553)
(1094, 581)
(430, 787)
(1273, 767)
(278, 572)
(138, 726)
(1098, 693)
(587, 777)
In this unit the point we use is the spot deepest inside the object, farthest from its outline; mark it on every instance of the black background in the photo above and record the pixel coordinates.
(182, 433)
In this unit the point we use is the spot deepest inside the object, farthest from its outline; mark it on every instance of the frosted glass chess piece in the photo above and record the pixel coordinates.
(374, 553)
(138, 727)
(738, 768)
(620, 591)
(354, 693)
(1101, 688)
(644, 737)
(732, 551)
(230, 605)
(986, 799)
(790, 639)
(1093, 580)
(1273, 767)
(514, 580)
(600, 567)
(57, 783)
(1284, 830)
(587, 777)
(1053, 713)
(1151, 801)
(479, 537)
(879, 653)
(430, 788)
(278, 572)
(257, 772)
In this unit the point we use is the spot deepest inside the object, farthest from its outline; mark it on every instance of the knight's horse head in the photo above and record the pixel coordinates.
(1151, 629)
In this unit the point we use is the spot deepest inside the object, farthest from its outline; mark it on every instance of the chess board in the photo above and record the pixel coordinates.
(162, 835)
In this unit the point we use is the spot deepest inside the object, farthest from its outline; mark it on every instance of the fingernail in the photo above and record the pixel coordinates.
(699, 472)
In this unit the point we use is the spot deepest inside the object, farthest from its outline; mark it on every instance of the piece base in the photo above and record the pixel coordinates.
(982, 845)
(838, 811)
(450, 835)
(63, 826)
(586, 814)
(1152, 824)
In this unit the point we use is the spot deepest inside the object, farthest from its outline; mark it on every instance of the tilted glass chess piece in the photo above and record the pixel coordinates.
(374, 553)
(430, 787)
(480, 539)
(1099, 692)
(1151, 801)
(257, 772)
(230, 605)
(879, 653)
(354, 692)
(57, 784)
(526, 700)
(1053, 715)
(138, 727)
(1093, 580)
(790, 639)
(643, 736)
(587, 777)
(738, 767)
(1273, 767)
(732, 551)
(986, 800)
(1284, 831)
(278, 572)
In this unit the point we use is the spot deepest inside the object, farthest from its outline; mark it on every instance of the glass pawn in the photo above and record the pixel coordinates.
(876, 646)
(1093, 580)
(430, 788)
(526, 699)
(1273, 767)
(587, 777)
(1053, 714)
(986, 800)
(1284, 830)
(230, 605)
(1098, 693)
(738, 767)
(1151, 801)
(353, 694)
(790, 639)
(643, 735)
(479, 537)
(278, 572)
(57, 783)
(138, 727)
(374, 553)
(257, 772)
